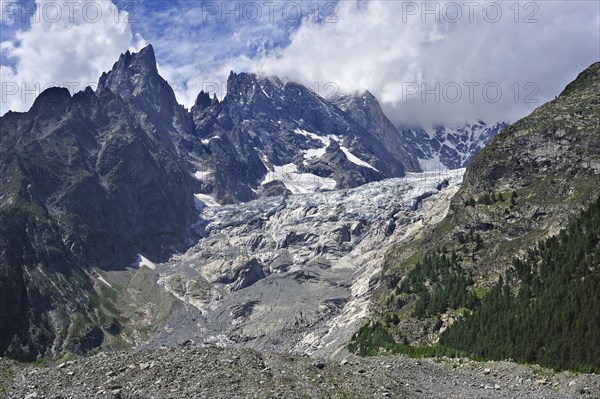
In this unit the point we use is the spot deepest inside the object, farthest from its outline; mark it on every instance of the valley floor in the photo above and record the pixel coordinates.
(210, 372)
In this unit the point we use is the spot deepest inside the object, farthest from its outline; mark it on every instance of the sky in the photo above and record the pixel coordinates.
(428, 62)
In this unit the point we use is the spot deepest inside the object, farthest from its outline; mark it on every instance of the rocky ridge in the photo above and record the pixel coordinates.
(87, 180)
(264, 127)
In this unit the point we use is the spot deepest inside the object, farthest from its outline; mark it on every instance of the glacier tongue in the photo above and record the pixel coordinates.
(296, 273)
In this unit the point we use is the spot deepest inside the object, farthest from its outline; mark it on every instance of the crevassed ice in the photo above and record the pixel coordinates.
(298, 183)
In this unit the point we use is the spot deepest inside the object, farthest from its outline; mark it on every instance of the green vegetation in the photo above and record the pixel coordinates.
(545, 309)
(492, 198)
(440, 284)
(372, 339)
(7, 376)
(553, 317)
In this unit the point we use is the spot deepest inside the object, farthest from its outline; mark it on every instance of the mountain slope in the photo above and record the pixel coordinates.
(560, 277)
(450, 147)
(87, 181)
(284, 131)
(525, 185)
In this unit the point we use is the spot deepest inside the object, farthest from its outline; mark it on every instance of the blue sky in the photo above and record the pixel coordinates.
(434, 62)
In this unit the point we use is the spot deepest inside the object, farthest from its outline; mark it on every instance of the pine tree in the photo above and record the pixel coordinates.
(551, 315)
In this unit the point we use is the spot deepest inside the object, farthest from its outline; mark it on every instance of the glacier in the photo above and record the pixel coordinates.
(295, 273)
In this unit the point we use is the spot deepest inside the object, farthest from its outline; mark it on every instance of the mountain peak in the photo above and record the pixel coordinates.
(53, 99)
(142, 60)
(129, 65)
(129, 71)
(146, 56)
(239, 82)
(204, 101)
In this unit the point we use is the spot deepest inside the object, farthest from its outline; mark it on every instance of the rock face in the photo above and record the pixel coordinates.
(365, 110)
(264, 125)
(445, 147)
(559, 140)
(87, 181)
(542, 170)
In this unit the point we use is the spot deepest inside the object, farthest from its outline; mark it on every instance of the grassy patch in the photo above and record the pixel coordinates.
(7, 376)
(480, 292)
(374, 339)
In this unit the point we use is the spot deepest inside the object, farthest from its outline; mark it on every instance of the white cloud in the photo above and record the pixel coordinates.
(376, 45)
(201, 49)
(386, 47)
(67, 44)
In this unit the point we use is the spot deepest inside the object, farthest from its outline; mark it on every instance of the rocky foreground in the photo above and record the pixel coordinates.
(209, 372)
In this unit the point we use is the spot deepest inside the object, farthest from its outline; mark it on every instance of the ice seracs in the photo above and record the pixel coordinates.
(298, 269)
(451, 146)
(298, 183)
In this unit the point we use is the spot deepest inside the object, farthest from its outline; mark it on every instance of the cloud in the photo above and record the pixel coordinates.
(486, 60)
(206, 40)
(66, 44)
(422, 70)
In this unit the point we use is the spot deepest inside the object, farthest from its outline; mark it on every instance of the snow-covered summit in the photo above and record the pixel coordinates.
(451, 146)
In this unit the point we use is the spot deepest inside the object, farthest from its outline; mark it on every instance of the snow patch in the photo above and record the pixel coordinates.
(314, 153)
(100, 278)
(200, 175)
(326, 140)
(356, 160)
(143, 261)
(323, 139)
(203, 200)
(207, 141)
(298, 183)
